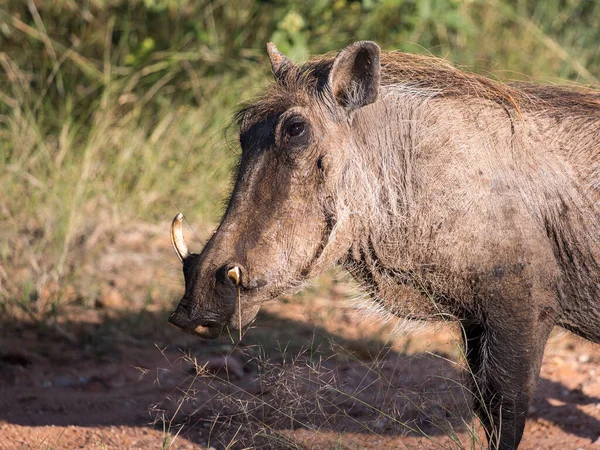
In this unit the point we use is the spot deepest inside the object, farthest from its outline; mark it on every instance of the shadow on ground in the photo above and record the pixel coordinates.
(285, 376)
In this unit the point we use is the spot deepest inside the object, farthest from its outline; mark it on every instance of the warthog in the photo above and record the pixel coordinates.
(445, 193)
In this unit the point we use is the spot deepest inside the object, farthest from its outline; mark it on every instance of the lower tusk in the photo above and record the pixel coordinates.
(234, 275)
(201, 329)
(177, 238)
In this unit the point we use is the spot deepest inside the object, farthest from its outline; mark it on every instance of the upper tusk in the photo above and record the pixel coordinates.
(234, 275)
(177, 238)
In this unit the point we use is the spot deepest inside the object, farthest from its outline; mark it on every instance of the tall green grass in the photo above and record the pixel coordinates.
(118, 111)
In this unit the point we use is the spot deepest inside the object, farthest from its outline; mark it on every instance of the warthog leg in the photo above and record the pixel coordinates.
(504, 356)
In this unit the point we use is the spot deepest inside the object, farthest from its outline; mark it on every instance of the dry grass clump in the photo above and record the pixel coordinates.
(322, 397)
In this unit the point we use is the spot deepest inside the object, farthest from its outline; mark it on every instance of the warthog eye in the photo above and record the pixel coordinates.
(295, 129)
(293, 133)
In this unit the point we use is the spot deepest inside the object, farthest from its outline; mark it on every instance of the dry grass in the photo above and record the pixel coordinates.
(338, 398)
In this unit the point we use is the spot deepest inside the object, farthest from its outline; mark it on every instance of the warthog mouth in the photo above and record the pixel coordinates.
(204, 329)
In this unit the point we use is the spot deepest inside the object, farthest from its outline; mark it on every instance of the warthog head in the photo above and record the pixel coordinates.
(281, 225)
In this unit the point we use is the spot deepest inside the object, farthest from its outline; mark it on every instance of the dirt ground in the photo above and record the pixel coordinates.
(108, 373)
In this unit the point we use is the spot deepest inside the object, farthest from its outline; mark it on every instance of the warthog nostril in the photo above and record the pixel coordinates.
(234, 275)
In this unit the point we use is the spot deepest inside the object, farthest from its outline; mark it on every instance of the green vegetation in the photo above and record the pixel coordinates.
(114, 111)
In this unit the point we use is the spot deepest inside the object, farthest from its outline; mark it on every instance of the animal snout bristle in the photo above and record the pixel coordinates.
(234, 275)
(177, 238)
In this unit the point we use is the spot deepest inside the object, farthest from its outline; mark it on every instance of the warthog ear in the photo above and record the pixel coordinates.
(279, 62)
(354, 76)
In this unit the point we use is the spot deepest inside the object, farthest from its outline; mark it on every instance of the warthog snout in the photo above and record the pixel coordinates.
(181, 319)
(210, 298)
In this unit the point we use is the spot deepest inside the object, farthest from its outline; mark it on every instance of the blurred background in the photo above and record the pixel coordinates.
(117, 114)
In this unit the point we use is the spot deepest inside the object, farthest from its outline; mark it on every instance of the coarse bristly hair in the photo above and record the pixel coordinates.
(436, 106)
(385, 188)
(422, 76)
(444, 193)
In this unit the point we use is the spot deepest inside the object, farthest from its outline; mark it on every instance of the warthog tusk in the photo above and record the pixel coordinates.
(177, 238)
(234, 275)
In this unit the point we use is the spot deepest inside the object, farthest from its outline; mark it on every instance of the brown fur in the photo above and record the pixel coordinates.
(430, 75)
(445, 193)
